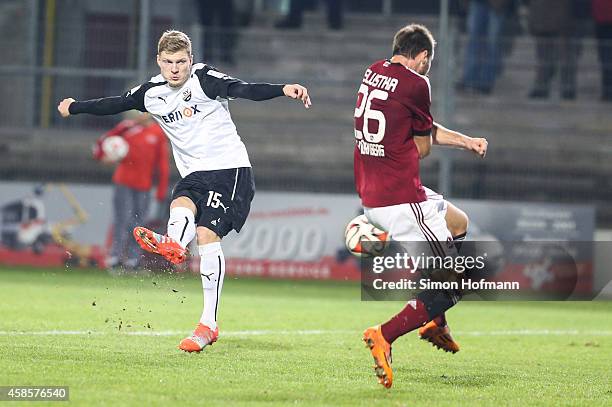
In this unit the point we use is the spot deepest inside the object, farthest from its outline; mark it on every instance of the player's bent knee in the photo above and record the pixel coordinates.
(206, 236)
(183, 202)
(457, 221)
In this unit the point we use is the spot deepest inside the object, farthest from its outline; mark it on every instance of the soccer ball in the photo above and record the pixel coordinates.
(360, 230)
(115, 148)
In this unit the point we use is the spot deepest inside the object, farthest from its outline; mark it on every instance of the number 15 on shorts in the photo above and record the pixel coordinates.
(214, 200)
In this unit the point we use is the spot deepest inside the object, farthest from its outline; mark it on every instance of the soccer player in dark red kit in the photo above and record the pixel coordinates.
(394, 129)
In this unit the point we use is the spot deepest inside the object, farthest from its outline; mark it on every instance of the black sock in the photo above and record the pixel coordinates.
(458, 240)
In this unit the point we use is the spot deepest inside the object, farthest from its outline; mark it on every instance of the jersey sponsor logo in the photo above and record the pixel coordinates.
(163, 99)
(380, 81)
(179, 115)
(187, 95)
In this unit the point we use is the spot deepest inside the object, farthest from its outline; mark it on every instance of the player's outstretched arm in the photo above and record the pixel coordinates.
(216, 84)
(446, 137)
(99, 107)
(265, 91)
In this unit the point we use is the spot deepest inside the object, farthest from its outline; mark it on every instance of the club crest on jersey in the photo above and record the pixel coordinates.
(187, 95)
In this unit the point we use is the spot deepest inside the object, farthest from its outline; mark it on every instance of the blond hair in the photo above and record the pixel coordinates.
(173, 41)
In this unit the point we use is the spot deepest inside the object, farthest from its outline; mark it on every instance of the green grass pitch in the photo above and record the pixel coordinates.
(287, 343)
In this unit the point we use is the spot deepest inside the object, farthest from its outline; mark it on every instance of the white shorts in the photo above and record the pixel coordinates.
(416, 222)
(441, 203)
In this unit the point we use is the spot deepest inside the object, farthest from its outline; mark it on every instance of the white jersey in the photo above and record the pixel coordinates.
(196, 119)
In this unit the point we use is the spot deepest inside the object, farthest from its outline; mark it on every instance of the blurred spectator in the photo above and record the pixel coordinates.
(244, 11)
(296, 10)
(553, 24)
(133, 178)
(483, 55)
(219, 36)
(602, 13)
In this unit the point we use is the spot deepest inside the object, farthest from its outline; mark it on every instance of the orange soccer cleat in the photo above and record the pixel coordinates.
(439, 336)
(165, 246)
(201, 337)
(381, 351)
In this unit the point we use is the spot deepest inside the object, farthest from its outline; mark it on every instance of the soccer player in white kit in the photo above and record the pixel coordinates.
(190, 102)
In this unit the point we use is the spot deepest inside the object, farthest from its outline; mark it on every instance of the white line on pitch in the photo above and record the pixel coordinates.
(173, 333)
(533, 332)
(526, 332)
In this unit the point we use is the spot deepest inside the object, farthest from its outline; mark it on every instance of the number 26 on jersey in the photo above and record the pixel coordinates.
(368, 142)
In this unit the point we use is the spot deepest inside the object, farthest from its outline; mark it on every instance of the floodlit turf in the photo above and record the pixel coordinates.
(563, 357)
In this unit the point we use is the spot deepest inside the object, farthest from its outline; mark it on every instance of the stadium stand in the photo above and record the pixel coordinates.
(562, 158)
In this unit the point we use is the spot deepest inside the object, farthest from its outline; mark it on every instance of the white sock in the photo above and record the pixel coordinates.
(212, 271)
(181, 226)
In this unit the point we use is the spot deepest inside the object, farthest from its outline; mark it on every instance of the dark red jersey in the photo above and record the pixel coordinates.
(393, 106)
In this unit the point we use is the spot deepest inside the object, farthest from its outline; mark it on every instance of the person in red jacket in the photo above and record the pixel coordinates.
(146, 160)
(602, 14)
